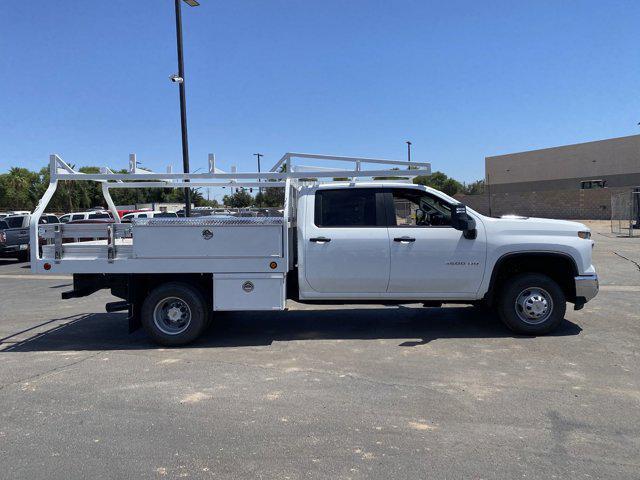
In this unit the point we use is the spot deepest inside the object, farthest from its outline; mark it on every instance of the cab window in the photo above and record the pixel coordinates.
(65, 218)
(93, 216)
(14, 222)
(416, 208)
(348, 207)
(78, 216)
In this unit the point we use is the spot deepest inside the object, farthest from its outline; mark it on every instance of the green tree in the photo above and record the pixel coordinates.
(475, 188)
(270, 197)
(239, 199)
(19, 189)
(440, 181)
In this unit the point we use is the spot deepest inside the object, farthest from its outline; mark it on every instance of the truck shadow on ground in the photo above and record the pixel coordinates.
(14, 261)
(410, 326)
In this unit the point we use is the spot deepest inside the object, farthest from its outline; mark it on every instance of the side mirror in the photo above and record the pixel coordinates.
(460, 220)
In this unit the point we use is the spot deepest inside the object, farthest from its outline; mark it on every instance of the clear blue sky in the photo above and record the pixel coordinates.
(461, 79)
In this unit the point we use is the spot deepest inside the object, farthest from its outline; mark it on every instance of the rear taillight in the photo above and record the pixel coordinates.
(3, 237)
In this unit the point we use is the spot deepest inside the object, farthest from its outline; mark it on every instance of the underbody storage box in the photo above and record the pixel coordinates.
(248, 291)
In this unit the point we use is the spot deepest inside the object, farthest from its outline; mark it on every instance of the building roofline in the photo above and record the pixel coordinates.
(562, 146)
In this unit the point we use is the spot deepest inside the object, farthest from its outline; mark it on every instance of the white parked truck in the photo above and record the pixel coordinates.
(360, 240)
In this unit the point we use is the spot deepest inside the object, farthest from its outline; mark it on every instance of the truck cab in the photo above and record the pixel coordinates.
(386, 241)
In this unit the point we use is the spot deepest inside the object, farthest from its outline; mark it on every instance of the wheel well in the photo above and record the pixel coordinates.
(145, 283)
(134, 288)
(557, 266)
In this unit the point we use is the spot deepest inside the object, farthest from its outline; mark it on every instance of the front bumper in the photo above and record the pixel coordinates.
(586, 288)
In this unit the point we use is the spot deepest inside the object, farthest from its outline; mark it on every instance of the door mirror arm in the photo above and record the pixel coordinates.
(470, 234)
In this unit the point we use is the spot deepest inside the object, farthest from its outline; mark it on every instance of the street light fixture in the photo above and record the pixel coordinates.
(408, 150)
(179, 79)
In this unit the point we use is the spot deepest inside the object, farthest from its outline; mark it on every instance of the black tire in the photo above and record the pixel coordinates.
(531, 304)
(174, 314)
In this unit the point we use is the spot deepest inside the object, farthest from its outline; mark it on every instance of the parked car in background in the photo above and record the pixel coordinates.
(14, 242)
(122, 213)
(148, 214)
(14, 234)
(101, 221)
(93, 215)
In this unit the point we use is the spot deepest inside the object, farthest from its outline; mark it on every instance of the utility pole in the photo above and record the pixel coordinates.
(179, 79)
(258, 155)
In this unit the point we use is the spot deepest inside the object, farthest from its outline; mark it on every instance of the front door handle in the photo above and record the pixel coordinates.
(404, 239)
(320, 239)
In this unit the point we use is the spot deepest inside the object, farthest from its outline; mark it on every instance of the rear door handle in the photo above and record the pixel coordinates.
(404, 239)
(320, 239)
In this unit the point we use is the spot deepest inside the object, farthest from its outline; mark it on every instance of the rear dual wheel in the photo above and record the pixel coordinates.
(175, 314)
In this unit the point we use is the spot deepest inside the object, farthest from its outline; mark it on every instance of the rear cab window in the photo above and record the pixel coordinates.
(14, 222)
(99, 215)
(46, 219)
(349, 207)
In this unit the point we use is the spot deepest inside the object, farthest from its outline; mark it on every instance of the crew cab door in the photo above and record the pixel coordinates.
(428, 255)
(346, 241)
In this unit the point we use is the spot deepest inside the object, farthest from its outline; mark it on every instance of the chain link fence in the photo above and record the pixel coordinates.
(625, 213)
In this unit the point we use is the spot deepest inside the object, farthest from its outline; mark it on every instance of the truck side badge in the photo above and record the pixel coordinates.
(207, 234)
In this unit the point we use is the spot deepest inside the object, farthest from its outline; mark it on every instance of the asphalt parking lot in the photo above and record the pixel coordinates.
(322, 392)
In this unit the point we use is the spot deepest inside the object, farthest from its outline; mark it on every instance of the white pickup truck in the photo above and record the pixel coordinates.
(374, 241)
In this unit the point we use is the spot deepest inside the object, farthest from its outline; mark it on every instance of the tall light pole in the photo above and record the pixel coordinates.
(258, 155)
(408, 150)
(179, 79)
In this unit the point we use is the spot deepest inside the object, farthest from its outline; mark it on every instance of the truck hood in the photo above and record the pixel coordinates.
(533, 225)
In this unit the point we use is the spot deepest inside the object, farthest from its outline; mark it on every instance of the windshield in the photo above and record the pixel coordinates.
(452, 200)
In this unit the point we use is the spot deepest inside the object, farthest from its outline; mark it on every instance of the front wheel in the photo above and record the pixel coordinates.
(174, 314)
(532, 304)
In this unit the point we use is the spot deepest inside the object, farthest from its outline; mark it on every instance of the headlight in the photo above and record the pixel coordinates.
(586, 235)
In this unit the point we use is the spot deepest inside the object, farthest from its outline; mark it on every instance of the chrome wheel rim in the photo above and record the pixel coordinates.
(172, 316)
(534, 305)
